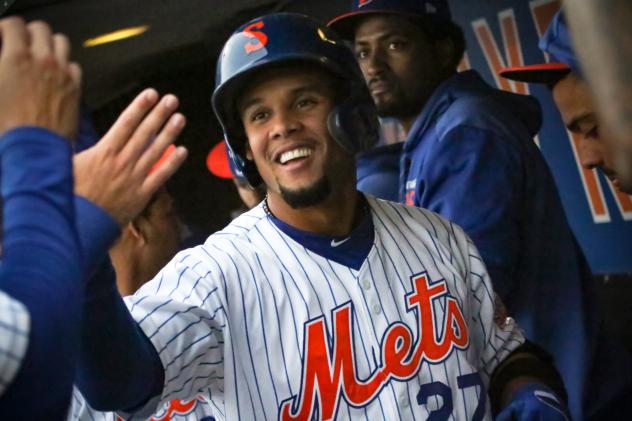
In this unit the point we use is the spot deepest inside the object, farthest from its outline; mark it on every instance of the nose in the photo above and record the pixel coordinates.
(373, 64)
(590, 154)
(284, 124)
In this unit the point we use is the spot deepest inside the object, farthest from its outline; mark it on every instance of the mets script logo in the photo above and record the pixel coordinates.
(329, 367)
(260, 39)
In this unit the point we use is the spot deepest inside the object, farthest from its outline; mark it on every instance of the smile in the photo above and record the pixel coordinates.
(294, 154)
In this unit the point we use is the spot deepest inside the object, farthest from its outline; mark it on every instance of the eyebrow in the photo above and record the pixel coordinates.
(311, 87)
(380, 36)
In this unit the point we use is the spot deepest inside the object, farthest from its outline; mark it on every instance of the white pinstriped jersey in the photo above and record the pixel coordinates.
(14, 336)
(268, 330)
(189, 410)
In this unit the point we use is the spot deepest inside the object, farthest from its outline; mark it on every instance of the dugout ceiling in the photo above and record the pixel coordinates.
(181, 33)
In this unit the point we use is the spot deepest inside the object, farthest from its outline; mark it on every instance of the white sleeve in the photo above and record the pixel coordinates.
(496, 334)
(182, 312)
(14, 336)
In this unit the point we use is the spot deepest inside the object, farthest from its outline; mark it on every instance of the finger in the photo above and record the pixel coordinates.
(15, 37)
(61, 48)
(127, 123)
(76, 74)
(158, 177)
(150, 126)
(156, 149)
(41, 39)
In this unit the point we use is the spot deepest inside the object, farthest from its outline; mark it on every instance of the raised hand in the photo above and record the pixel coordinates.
(116, 174)
(39, 86)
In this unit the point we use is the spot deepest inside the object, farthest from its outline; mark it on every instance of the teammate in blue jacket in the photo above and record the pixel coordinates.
(319, 303)
(470, 157)
(40, 270)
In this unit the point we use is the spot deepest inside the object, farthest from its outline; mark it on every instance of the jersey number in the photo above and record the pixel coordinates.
(442, 390)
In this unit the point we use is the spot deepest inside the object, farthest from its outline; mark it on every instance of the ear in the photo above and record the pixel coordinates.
(136, 231)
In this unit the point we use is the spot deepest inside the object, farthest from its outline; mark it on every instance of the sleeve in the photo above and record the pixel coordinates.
(182, 312)
(14, 335)
(473, 177)
(41, 267)
(495, 335)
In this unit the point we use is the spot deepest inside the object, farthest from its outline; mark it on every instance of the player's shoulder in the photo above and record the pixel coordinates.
(417, 221)
(478, 106)
(241, 237)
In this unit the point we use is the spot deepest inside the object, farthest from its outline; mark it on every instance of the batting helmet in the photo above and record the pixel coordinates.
(345, 24)
(288, 38)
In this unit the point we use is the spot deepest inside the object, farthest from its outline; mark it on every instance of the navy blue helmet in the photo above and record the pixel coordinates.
(288, 38)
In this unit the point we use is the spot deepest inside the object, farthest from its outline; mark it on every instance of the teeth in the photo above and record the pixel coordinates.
(294, 154)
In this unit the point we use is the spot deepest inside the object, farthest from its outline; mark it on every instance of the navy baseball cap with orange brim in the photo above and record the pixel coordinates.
(556, 41)
(345, 24)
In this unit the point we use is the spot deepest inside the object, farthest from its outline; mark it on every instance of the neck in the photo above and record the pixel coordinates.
(126, 272)
(335, 216)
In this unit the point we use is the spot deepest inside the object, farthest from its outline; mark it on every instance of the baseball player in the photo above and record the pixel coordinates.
(470, 157)
(572, 97)
(319, 303)
(40, 268)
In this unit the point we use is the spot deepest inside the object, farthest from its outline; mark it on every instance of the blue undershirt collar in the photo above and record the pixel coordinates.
(350, 250)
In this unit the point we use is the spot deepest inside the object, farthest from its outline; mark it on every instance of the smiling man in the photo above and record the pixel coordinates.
(321, 302)
(470, 157)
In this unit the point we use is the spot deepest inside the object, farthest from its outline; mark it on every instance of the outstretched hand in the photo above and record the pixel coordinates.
(39, 86)
(116, 174)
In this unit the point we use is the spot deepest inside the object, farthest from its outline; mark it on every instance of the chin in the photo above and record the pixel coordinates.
(307, 196)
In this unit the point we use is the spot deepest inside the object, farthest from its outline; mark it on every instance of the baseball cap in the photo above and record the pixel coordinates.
(345, 24)
(557, 42)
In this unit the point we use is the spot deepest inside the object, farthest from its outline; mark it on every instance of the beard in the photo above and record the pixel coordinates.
(307, 196)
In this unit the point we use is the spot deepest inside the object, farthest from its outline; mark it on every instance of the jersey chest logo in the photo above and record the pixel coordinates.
(329, 368)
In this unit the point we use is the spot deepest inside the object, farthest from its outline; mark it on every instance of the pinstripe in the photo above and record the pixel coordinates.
(245, 322)
(265, 340)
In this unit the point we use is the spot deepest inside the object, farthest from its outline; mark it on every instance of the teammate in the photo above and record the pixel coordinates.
(471, 158)
(40, 271)
(572, 96)
(319, 303)
(574, 100)
(145, 245)
(604, 41)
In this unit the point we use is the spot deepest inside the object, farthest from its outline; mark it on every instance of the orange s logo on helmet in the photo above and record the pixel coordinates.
(363, 3)
(261, 39)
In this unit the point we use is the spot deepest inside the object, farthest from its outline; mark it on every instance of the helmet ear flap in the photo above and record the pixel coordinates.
(354, 125)
(242, 168)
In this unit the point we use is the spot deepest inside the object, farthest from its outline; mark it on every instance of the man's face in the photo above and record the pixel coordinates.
(575, 103)
(284, 115)
(400, 65)
(163, 230)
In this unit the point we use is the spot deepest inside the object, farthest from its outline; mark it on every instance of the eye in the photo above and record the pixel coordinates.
(593, 133)
(361, 54)
(305, 102)
(396, 45)
(257, 115)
